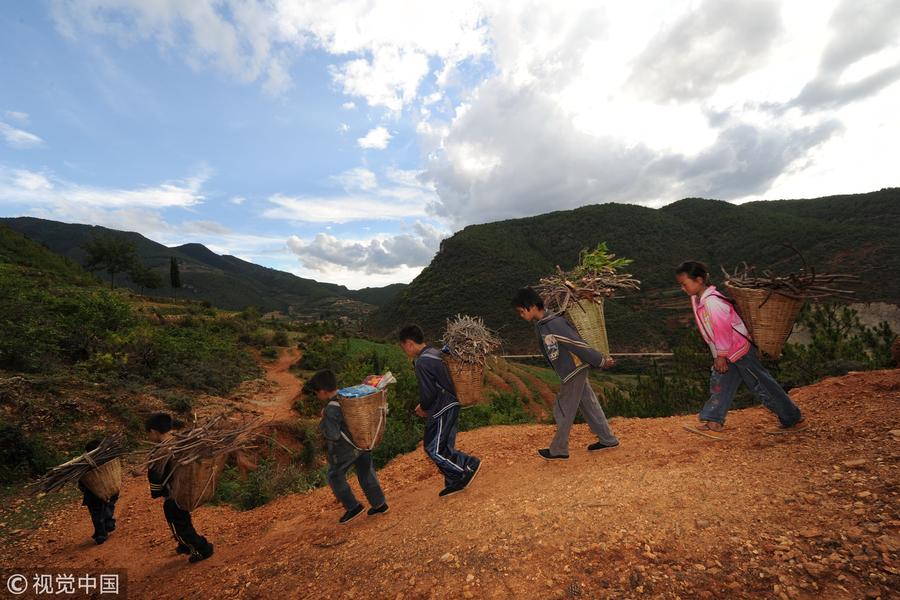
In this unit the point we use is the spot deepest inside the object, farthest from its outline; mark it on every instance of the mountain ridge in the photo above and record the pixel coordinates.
(224, 280)
(477, 269)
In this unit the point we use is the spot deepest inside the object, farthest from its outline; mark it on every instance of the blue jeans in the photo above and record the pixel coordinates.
(748, 369)
(440, 439)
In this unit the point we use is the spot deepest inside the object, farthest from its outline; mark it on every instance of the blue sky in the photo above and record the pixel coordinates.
(342, 140)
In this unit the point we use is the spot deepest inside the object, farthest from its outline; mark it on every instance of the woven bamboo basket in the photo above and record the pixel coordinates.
(468, 379)
(769, 321)
(588, 319)
(104, 481)
(194, 484)
(366, 418)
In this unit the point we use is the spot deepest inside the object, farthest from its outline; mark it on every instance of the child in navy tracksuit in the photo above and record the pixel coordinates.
(342, 454)
(571, 357)
(440, 409)
(102, 512)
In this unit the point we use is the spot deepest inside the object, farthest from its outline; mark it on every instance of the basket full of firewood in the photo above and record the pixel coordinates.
(467, 345)
(769, 304)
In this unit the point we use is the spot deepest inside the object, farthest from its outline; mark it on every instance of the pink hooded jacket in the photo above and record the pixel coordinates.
(720, 325)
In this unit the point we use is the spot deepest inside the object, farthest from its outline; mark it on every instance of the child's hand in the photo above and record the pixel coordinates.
(420, 412)
(322, 412)
(608, 362)
(720, 365)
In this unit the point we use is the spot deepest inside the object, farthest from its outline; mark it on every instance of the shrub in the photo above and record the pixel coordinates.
(840, 343)
(22, 455)
(281, 338)
(268, 481)
(505, 408)
(177, 402)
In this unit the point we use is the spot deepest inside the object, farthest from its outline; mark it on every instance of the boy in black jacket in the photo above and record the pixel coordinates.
(159, 428)
(571, 358)
(440, 409)
(101, 512)
(342, 454)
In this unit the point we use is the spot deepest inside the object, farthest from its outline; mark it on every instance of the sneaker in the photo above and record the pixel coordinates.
(470, 475)
(378, 511)
(100, 539)
(451, 489)
(597, 446)
(198, 556)
(182, 549)
(545, 454)
(351, 514)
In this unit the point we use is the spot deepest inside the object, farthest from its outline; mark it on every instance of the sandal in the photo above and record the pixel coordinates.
(705, 426)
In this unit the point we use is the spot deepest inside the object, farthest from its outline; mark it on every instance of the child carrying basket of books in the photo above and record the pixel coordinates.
(343, 453)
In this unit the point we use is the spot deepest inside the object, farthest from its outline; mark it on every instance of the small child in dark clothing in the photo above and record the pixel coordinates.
(342, 454)
(101, 511)
(159, 428)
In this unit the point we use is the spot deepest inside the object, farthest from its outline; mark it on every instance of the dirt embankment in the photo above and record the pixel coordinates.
(667, 515)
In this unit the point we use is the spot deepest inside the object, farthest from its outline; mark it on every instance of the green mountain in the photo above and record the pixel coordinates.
(225, 281)
(477, 270)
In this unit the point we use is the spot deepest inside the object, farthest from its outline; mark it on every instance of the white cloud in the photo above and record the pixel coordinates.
(377, 139)
(390, 79)
(19, 138)
(342, 209)
(387, 45)
(649, 102)
(16, 115)
(348, 105)
(343, 128)
(382, 254)
(32, 188)
(357, 178)
(362, 197)
(238, 200)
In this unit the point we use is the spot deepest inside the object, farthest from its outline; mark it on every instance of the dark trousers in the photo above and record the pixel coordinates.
(440, 442)
(183, 529)
(339, 463)
(102, 514)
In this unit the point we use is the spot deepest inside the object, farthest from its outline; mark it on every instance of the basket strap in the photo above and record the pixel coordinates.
(212, 474)
(90, 460)
(381, 421)
(734, 306)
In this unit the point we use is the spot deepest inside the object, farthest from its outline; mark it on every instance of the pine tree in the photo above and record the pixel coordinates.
(174, 275)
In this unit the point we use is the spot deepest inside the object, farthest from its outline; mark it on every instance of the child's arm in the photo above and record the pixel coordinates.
(330, 425)
(427, 388)
(719, 312)
(574, 343)
(157, 476)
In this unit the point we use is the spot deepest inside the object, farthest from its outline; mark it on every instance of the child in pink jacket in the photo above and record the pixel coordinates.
(735, 358)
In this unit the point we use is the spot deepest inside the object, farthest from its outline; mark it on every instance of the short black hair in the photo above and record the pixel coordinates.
(412, 332)
(526, 297)
(92, 445)
(693, 269)
(324, 381)
(162, 422)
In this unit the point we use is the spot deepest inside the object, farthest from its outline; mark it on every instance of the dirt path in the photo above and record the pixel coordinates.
(275, 400)
(667, 515)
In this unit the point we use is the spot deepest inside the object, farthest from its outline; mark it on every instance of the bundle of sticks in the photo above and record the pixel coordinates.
(561, 289)
(111, 447)
(208, 439)
(468, 339)
(805, 284)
